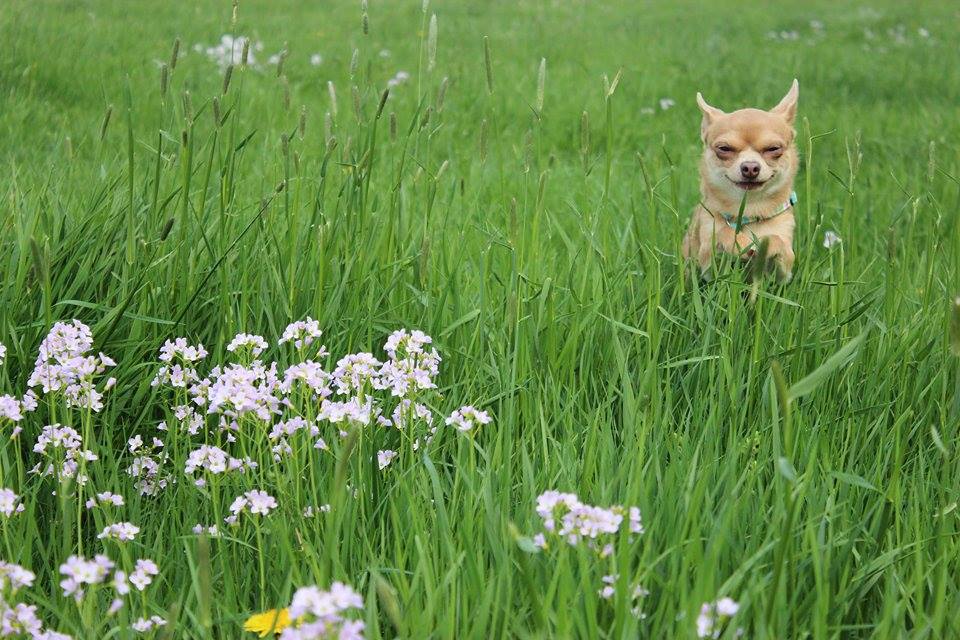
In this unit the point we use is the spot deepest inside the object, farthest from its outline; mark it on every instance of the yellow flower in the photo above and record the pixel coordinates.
(272, 620)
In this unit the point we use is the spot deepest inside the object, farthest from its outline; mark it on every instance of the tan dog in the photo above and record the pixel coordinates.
(747, 152)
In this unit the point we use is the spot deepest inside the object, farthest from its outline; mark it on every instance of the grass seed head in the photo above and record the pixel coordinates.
(541, 84)
(175, 54)
(432, 43)
(106, 121)
(332, 91)
(164, 79)
(226, 79)
(487, 66)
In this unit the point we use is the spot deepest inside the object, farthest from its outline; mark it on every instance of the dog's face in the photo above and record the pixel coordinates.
(749, 149)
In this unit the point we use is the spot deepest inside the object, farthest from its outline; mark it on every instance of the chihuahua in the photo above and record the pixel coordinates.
(749, 161)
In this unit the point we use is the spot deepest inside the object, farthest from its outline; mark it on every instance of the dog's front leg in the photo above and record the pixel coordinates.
(781, 252)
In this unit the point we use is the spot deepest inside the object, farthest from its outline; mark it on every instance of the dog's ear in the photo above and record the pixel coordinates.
(788, 106)
(709, 115)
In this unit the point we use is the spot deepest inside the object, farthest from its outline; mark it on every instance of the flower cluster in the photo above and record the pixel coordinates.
(64, 366)
(714, 615)
(466, 419)
(411, 367)
(237, 390)
(105, 498)
(565, 516)
(247, 344)
(10, 503)
(63, 447)
(229, 51)
(256, 502)
(302, 334)
(16, 618)
(319, 615)
(79, 571)
(13, 410)
(120, 531)
(146, 468)
(179, 358)
(211, 459)
(385, 457)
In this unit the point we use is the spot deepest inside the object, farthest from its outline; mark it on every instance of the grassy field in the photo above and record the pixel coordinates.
(519, 195)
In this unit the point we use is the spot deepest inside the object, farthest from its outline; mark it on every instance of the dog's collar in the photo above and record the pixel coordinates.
(733, 219)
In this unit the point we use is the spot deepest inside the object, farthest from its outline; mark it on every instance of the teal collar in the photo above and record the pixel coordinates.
(733, 219)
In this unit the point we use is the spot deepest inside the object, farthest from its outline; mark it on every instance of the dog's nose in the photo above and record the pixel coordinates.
(750, 169)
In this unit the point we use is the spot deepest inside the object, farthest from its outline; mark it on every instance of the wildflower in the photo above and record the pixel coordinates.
(79, 571)
(248, 343)
(407, 412)
(143, 625)
(352, 412)
(256, 502)
(319, 614)
(667, 103)
(3, 354)
(230, 51)
(180, 350)
(143, 573)
(238, 390)
(309, 512)
(385, 457)
(147, 467)
(564, 515)
(355, 372)
(64, 366)
(608, 590)
(14, 577)
(65, 446)
(211, 531)
(713, 615)
(831, 239)
(309, 374)
(105, 498)
(302, 333)
(121, 531)
(467, 418)
(399, 78)
(316, 60)
(272, 621)
(10, 409)
(10, 503)
(210, 459)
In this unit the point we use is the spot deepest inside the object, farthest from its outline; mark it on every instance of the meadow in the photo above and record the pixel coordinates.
(375, 314)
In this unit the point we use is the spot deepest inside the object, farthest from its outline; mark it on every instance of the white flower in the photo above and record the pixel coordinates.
(246, 341)
(10, 503)
(667, 103)
(143, 573)
(385, 457)
(316, 60)
(143, 625)
(256, 502)
(467, 418)
(79, 571)
(713, 615)
(121, 531)
(14, 576)
(831, 239)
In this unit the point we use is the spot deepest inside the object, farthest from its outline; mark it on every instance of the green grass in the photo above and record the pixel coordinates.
(539, 247)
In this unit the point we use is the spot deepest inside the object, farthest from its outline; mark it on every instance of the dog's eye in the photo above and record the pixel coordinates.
(724, 149)
(774, 150)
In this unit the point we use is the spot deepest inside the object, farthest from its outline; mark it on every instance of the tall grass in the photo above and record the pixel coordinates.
(792, 448)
